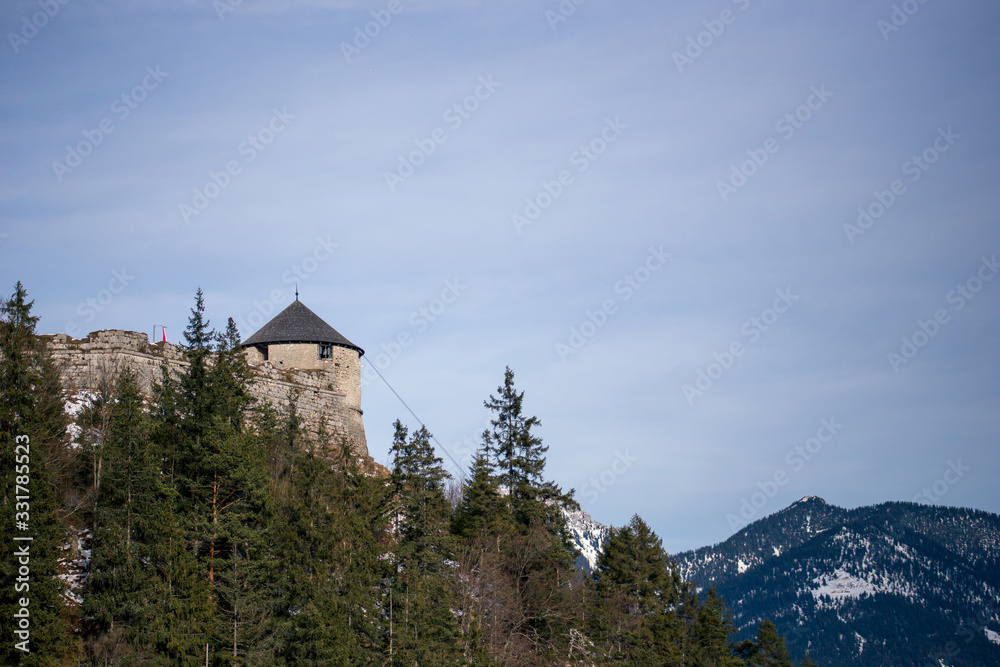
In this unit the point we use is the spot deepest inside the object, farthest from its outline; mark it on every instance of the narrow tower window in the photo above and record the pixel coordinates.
(325, 351)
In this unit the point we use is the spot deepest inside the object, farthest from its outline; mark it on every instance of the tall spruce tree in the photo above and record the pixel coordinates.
(482, 511)
(519, 454)
(634, 563)
(511, 511)
(423, 628)
(770, 649)
(231, 378)
(122, 590)
(329, 537)
(32, 448)
(195, 383)
(518, 461)
(711, 633)
(642, 603)
(421, 508)
(219, 475)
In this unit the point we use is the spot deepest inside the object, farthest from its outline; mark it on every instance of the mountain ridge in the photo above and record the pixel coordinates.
(891, 584)
(897, 583)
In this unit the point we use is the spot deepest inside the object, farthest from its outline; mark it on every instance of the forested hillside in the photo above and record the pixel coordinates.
(195, 526)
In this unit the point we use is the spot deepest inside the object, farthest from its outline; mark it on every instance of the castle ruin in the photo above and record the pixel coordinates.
(295, 354)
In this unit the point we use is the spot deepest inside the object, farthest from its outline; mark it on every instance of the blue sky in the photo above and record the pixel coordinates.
(651, 211)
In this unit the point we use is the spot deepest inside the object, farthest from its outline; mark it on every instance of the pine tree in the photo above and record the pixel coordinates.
(518, 452)
(422, 511)
(424, 629)
(770, 648)
(222, 469)
(633, 562)
(329, 536)
(122, 589)
(32, 426)
(231, 378)
(640, 597)
(711, 631)
(219, 476)
(195, 384)
(518, 458)
(516, 560)
(482, 511)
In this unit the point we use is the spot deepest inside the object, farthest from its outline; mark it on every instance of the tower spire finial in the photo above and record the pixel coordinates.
(296, 291)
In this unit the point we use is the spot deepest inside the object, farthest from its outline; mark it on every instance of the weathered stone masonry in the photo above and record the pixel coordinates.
(329, 394)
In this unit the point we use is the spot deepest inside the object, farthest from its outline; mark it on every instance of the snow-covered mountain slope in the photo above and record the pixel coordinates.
(588, 537)
(893, 584)
(763, 540)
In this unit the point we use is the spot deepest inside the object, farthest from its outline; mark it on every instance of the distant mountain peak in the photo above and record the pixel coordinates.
(883, 585)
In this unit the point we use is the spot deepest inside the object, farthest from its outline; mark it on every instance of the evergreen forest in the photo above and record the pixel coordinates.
(220, 534)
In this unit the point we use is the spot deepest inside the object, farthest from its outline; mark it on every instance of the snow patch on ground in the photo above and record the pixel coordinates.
(741, 567)
(75, 564)
(839, 587)
(833, 590)
(992, 636)
(776, 550)
(77, 403)
(74, 405)
(861, 643)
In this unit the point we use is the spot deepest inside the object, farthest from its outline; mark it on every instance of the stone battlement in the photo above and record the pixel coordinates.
(326, 397)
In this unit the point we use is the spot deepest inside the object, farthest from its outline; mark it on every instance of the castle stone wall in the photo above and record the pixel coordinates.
(328, 397)
(294, 355)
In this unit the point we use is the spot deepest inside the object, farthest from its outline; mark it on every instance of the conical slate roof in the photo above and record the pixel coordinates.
(298, 324)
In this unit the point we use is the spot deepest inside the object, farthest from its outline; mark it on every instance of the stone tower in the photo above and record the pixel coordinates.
(298, 340)
(295, 354)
